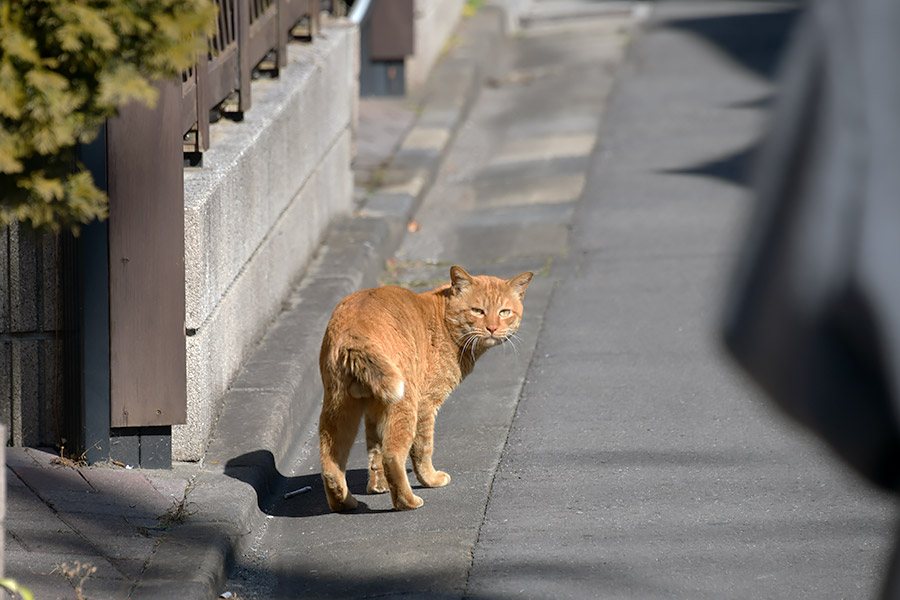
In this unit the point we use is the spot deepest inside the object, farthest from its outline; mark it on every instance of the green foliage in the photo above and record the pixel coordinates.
(65, 66)
(16, 590)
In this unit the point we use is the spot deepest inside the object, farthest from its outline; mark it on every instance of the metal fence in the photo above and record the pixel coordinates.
(248, 31)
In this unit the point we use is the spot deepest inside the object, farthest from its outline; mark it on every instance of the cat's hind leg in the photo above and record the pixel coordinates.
(338, 425)
(422, 449)
(377, 481)
(399, 430)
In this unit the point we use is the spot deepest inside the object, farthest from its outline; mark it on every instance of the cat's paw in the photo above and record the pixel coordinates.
(439, 479)
(377, 487)
(402, 504)
(349, 503)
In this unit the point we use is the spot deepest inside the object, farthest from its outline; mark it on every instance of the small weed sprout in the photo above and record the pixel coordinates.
(179, 512)
(76, 574)
(70, 461)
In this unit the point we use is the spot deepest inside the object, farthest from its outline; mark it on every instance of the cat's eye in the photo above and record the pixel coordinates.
(505, 312)
(478, 311)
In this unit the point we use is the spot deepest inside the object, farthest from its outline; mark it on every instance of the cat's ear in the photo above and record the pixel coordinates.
(459, 279)
(519, 283)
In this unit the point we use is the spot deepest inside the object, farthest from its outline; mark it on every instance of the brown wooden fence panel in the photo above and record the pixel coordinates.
(263, 30)
(247, 30)
(148, 380)
(194, 100)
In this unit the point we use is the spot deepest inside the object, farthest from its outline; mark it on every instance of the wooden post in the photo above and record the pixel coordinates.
(146, 264)
(244, 67)
(202, 70)
(282, 26)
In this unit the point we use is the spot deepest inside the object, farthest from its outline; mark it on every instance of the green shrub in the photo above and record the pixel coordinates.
(65, 66)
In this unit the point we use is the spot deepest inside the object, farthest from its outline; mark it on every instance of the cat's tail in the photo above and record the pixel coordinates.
(376, 373)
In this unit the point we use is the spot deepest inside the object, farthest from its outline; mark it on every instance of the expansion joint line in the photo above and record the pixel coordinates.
(540, 330)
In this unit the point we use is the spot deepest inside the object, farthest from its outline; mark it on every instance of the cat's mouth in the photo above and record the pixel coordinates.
(491, 341)
(484, 340)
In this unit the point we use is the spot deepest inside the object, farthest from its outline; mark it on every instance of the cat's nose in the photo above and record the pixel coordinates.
(491, 328)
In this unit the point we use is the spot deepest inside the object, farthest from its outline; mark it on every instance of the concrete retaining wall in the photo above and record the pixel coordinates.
(257, 209)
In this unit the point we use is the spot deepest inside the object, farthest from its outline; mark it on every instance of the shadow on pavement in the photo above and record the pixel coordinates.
(546, 577)
(258, 470)
(754, 40)
(734, 168)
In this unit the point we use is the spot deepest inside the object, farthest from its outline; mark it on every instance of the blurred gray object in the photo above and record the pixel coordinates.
(814, 308)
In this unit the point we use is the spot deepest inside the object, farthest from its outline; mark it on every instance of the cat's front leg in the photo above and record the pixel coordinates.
(423, 448)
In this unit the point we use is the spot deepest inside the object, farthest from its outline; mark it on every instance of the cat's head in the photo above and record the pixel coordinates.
(484, 311)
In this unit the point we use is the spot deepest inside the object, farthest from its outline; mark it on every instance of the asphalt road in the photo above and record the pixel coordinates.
(615, 454)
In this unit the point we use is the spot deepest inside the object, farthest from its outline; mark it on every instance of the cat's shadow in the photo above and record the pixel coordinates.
(258, 470)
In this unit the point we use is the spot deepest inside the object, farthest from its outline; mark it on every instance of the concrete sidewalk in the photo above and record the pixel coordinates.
(153, 534)
(63, 518)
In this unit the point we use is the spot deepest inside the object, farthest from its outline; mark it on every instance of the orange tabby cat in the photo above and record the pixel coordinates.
(394, 356)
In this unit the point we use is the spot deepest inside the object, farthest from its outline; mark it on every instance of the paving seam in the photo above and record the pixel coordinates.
(496, 466)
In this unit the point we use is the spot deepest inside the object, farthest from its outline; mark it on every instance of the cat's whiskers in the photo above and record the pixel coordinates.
(467, 337)
(513, 340)
(470, 341)
(475, 339)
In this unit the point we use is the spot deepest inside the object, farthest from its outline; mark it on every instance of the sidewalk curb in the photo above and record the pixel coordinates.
(269, 414)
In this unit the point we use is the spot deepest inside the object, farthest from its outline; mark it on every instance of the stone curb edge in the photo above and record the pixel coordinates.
(192, 561)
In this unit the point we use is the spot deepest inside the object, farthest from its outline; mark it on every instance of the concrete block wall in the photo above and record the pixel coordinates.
(434, 23)
(29, 382)
(2, 503)
(256, 210)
